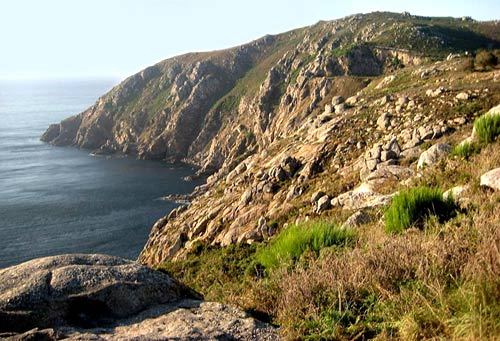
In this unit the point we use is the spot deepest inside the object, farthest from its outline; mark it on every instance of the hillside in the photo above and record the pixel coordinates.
(327, 124)
(211, 108)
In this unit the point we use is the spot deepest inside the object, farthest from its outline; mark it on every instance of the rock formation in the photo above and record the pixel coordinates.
(97, 297)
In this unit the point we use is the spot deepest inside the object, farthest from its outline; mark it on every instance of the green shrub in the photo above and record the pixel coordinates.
(487, 128)
(465, 150)
(411, 207)
(292, 242)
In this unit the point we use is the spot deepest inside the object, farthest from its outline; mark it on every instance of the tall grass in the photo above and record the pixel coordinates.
(292, 242)
(487, 128)
(411, 207)
(465, 150)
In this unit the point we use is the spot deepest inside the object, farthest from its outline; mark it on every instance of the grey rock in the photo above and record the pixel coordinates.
(384, 121)
(294, 192)
(393, 146)
(402, 100)
(311, 168)
(411, 154)
(340, 108)
(316, 195)
(357, 219)
(413, 141)
(79, 289)
(457, 194)
(386, 175)
(176, 212)
(433, 155)
(351, 101)
(187, 320)
(388, 155)
(35, 334)
(336, 100)
(359, 199)
(323, 204)
(97, 297)
(435, 93)
(425, 132)
(278, 173)
(384, 100)
(291, 165)
(463, 96)
(491, 179)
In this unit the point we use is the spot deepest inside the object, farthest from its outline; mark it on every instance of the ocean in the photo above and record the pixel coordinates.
(56, 200)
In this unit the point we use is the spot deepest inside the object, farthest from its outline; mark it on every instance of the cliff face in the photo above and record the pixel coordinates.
(267, 119)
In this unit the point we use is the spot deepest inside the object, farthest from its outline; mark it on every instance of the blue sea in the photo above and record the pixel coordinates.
(56, 200)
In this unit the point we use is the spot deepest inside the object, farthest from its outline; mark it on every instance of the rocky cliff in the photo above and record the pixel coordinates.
(303, 116)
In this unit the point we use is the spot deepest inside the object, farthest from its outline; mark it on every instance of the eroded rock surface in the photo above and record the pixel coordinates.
(79, 289)
(98, 297)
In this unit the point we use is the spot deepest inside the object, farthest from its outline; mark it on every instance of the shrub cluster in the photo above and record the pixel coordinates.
(485, 59)
(411, 207)
(465, 150)
(487, 128)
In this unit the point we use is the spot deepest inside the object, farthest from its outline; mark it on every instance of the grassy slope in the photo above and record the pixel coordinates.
(442, 280)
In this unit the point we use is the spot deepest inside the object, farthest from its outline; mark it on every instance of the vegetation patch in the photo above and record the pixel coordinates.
(410, 208)
(487, 128)
(213, 271)
(294, 241)
(485, 60)
(465, 150)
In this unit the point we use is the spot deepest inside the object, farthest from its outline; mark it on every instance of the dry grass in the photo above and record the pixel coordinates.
(411, 286)
(442, 282)
(439, 282)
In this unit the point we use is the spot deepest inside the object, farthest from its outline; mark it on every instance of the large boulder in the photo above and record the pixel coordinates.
(433, 155)
(361, 198)
(386, 176)
(97, 297)
(78, 289)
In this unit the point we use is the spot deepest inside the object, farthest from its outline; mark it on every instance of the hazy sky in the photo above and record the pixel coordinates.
(88, 38)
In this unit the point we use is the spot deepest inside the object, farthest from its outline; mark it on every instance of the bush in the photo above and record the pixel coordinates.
(485, 60)
(292, 242)
(465, 150)
(487, 128)
(411, 207)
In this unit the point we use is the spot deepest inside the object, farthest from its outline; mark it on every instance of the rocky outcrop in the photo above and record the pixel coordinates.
(97, 297)
(79, 289)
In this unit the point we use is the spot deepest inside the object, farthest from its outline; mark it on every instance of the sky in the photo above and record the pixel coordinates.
(117, 38)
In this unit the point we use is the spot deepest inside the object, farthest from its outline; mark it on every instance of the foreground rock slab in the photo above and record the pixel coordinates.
(79, 289)
(187, 320)
(98, 297)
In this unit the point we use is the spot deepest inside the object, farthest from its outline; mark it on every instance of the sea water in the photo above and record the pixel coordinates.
(56, 200)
